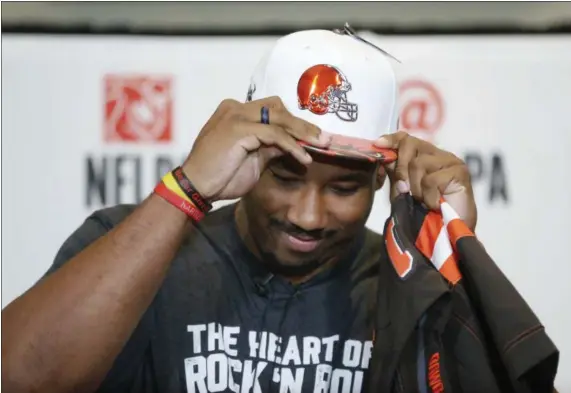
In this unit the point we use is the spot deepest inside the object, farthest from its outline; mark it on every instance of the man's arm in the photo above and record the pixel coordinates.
(65, 332)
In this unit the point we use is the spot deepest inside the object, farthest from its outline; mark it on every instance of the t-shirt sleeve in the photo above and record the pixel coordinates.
(91, 230)
(130, 366)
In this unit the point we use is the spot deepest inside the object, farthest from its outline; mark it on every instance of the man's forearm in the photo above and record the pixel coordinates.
(65, 332)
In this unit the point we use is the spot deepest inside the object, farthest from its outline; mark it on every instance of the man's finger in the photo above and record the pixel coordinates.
(269, 153)
(398, 171)
(431, 197)
(279, 115)
(417, 170)
(391, 141)
(302, 130)
(397, 187)
(407, 151)
(271, 135)
(436, 184)
(224, 107)
(433, 186)
(425, 164)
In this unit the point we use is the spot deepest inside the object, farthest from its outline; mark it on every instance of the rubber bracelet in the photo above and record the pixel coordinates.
(191, 192)
(180, 203)
(172, 185)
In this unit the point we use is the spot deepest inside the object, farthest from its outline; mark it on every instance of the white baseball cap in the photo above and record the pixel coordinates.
(337, 81)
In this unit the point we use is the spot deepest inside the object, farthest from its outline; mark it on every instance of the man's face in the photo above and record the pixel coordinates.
(299, 218)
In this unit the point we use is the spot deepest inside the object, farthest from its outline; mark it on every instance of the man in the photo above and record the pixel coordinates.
(274, 293)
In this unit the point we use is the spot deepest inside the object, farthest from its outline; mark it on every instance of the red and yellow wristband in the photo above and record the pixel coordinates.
(191, 192)
(170, 191)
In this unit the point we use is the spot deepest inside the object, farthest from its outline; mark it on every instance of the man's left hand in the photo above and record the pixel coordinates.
(429, 173)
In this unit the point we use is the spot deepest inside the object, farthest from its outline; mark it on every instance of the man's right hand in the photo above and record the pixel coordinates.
(234, 147)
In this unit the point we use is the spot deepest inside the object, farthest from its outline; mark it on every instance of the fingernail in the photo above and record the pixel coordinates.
(402, 187)
(324, 137)
(382, 142)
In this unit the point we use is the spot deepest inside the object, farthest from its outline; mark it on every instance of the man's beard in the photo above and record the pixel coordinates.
(281, 268)
(304, 266)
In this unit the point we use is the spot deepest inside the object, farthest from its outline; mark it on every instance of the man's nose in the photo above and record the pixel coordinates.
(308, 210)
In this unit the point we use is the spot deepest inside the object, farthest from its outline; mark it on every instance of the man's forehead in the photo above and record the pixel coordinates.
(325, 162)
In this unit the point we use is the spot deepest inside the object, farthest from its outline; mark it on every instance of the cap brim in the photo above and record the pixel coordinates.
(354, 148)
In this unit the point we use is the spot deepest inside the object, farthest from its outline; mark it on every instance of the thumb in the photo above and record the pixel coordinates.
(269, 153)
(397, 186)
(392, 140)
(388, 141)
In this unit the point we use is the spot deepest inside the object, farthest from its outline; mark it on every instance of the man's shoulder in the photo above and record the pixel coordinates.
(373, 244)
(103, 220)
(110, 217)
(370, 254)
(373, 237)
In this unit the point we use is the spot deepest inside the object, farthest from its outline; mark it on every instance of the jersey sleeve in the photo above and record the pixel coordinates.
(129, 368)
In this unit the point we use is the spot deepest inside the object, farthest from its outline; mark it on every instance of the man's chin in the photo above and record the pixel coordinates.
(291, 268)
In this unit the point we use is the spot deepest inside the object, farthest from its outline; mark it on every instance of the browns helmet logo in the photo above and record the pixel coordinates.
(323, 89)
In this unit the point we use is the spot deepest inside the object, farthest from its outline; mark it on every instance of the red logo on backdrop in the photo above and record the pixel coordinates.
(422, 110)
(138, 109)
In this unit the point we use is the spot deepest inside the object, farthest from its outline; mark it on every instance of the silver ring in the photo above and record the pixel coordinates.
(265, 114)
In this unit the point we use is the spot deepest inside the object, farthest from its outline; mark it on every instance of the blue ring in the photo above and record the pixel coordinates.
(265, 115)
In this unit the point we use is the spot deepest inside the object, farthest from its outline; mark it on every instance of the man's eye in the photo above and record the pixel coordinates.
(345, 190)
(284, 179)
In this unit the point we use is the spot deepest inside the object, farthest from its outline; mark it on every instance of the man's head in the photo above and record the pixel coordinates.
(298, 218)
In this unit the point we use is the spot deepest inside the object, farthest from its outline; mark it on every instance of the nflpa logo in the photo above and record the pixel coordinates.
(138, 109)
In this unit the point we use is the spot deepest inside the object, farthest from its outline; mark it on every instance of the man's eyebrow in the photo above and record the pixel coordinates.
(289, 166)
(354, 176)
(358, 174)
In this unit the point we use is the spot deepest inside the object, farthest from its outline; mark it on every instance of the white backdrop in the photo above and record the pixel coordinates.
(502, 103)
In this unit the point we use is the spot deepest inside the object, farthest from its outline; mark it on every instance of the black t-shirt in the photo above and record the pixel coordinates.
(221, 323)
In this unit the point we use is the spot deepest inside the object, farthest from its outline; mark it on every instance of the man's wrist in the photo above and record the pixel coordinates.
(202, 186)
(169, 190)
(170, 212)
(191, 191)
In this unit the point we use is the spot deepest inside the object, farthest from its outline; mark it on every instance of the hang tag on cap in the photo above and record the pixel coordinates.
(348, 30)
